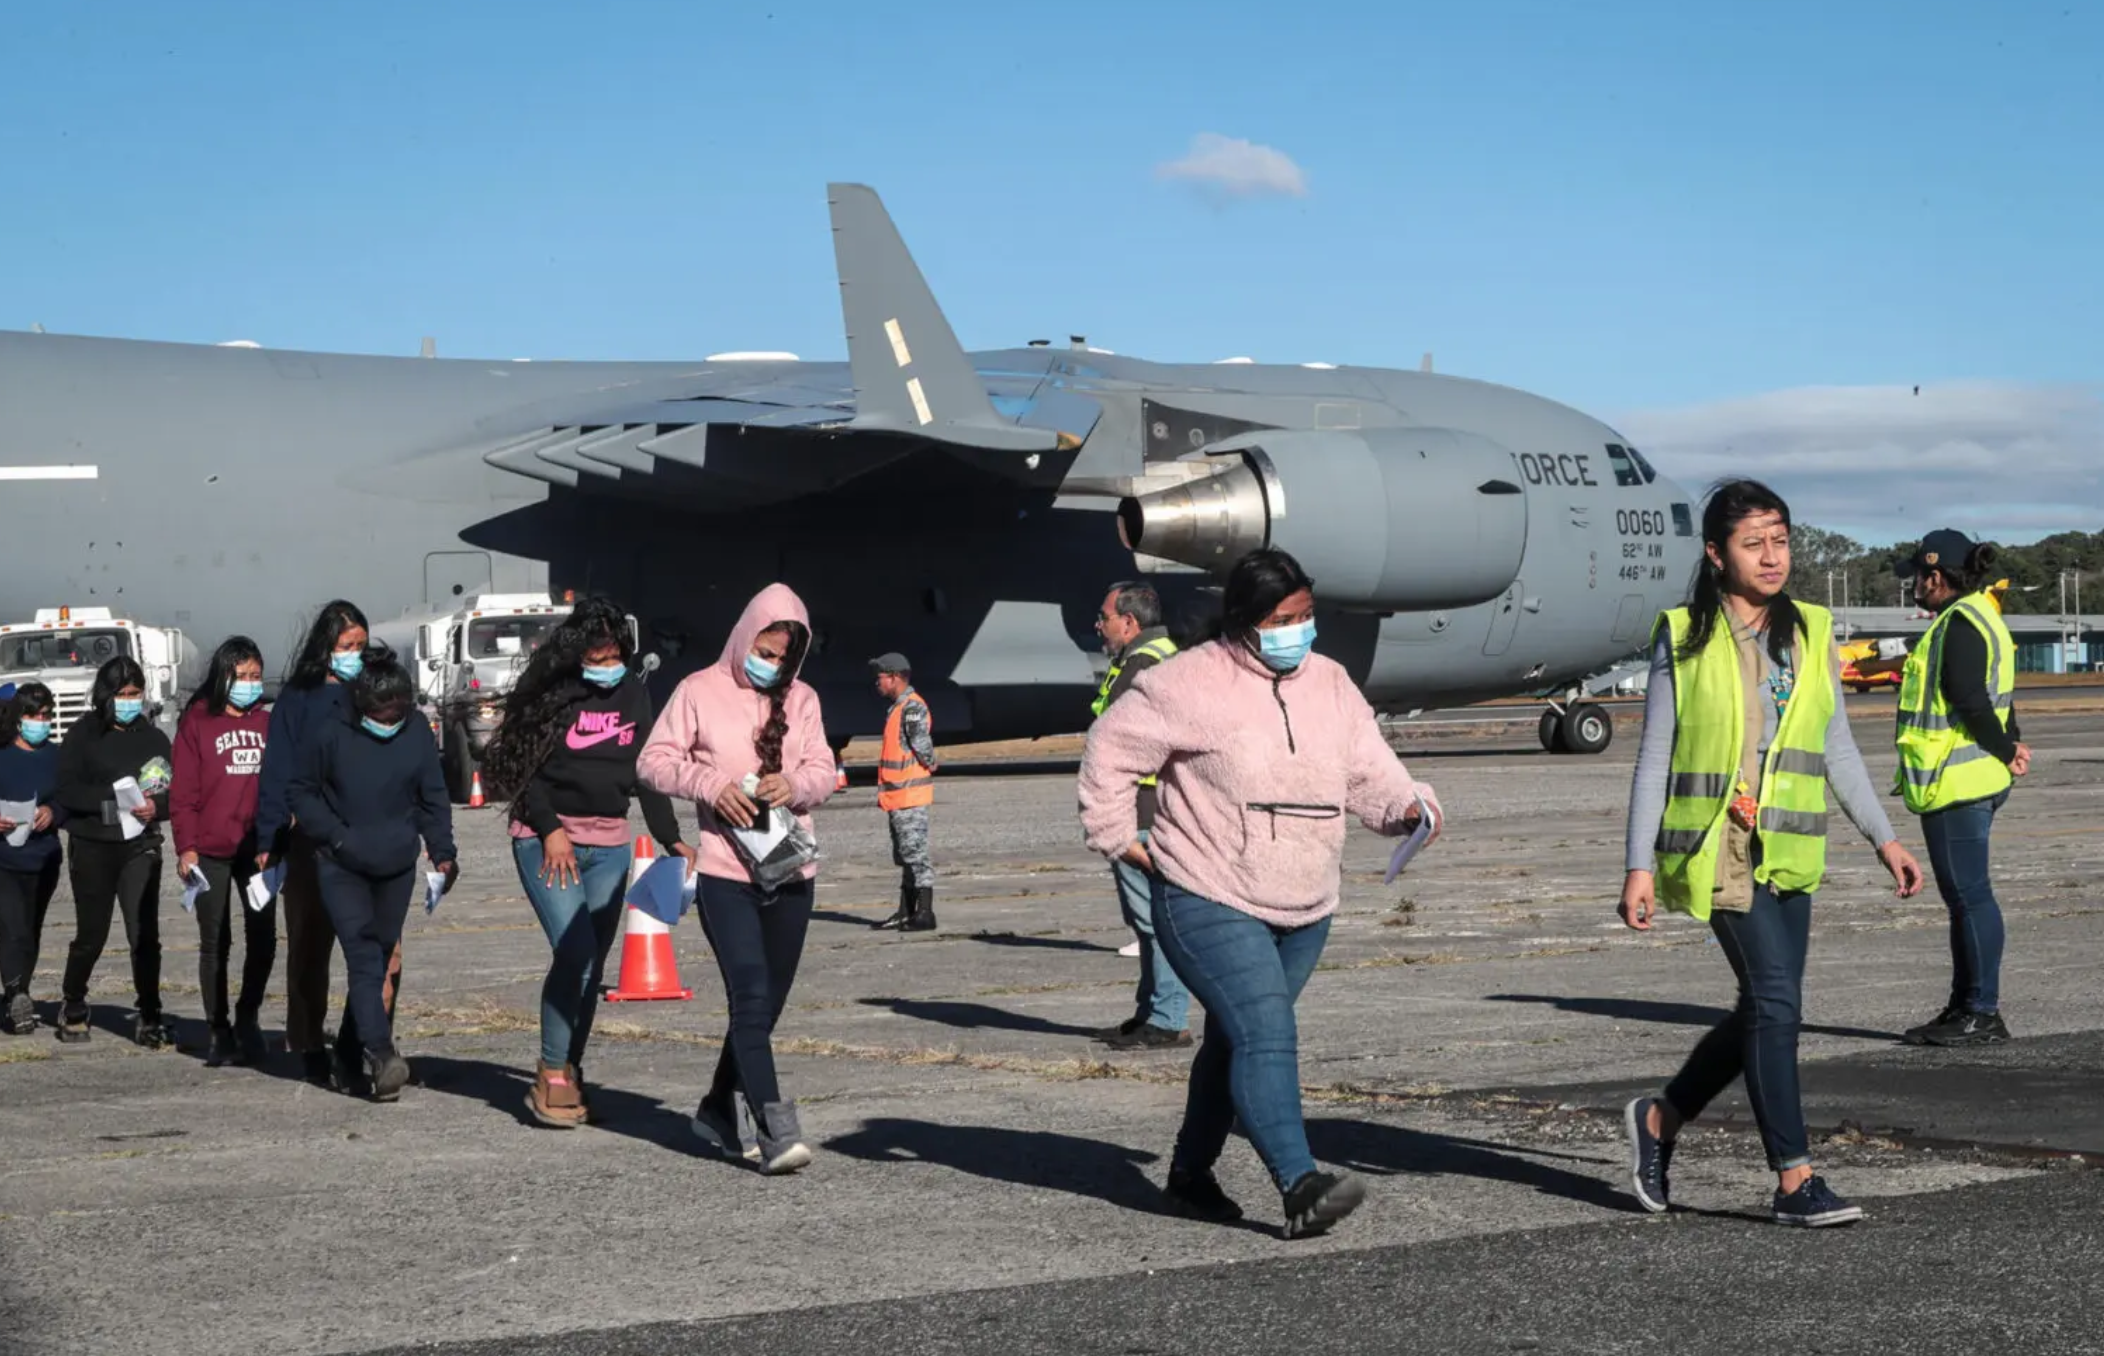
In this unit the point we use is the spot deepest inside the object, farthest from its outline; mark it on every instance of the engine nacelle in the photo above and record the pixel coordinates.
(1387, 520)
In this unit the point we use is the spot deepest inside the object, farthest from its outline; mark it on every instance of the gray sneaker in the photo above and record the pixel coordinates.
(721, 1130)
(782, 1147)
(21, 1015)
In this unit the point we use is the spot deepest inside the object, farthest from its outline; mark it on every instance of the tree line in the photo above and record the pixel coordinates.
(2033, 571)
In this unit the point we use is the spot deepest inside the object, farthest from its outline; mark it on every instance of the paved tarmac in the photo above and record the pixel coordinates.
(985, 1174)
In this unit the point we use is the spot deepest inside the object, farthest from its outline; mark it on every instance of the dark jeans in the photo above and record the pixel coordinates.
(25, 897)
(580, 920)
(226, 894)
(1248, 974)
(1957, 843)
(108, 877)
(1766, 947)
(758, 940)
(309, 942)
(368, 913)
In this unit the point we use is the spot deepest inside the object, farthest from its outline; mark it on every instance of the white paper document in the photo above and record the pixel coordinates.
(24, 815)
(434, 886)
(264, 885)
(129, 798)
(194, 885)
(1427, 821)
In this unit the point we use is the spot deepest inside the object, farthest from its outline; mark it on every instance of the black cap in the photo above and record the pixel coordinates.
(891, 662)
(1944, 549)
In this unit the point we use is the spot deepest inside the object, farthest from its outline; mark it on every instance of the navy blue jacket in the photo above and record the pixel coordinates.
(294, 718)
(364, 801)
(31, 774)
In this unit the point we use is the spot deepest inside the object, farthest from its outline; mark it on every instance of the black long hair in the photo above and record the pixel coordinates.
(28, 697)
(1257, 584)
(216, 692)
(768, 744)
(310, 666)
(112, 678)
(382, 683)
(1732, 502)
(551, 683)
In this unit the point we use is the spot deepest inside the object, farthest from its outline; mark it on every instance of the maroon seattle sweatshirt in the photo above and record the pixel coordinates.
(212, 799)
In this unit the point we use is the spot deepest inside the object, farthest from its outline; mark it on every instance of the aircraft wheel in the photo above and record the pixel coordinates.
(1586, 728)
(1552, 732)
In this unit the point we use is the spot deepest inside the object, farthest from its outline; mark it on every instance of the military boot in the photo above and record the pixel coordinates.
(922, 917)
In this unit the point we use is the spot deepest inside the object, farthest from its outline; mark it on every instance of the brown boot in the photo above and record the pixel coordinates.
(554, 1100)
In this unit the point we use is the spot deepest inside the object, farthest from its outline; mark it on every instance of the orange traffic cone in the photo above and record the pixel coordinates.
(840, 778)
(648, 970)
(475, 801)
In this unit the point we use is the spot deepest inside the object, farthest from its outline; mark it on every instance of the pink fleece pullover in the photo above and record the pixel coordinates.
(706, 737)
(1229, 739)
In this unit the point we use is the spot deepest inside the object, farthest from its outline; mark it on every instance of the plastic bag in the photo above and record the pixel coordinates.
(776, 849)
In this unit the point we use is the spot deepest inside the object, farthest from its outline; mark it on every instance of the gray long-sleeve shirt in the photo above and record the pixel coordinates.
(1846, 776)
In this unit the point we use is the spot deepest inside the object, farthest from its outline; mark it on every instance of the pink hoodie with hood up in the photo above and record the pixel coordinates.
(1258, 773)
(707, 736)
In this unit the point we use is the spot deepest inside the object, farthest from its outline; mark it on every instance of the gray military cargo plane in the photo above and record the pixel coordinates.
(1469, 541)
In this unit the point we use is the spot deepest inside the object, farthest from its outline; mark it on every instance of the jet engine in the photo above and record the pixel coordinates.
(1386, 520)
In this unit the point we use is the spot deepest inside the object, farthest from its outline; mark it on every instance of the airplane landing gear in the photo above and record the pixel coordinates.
(1579, 727)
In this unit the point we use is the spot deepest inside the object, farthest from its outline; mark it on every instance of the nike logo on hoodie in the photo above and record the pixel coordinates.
(596, 727)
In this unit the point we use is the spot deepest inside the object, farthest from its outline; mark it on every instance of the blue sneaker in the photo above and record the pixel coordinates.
(1814, 1206)
(1649, 1157)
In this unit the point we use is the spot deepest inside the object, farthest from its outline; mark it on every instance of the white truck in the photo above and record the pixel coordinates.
(466, 660)
(63, 646)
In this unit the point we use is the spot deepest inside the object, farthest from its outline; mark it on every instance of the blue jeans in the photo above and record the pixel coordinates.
(1161, 998)
(1248, 974)
(580, 920)
(1766, 947)
(1957, 843)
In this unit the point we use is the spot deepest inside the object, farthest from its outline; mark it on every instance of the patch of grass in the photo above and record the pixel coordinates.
(25, 1054)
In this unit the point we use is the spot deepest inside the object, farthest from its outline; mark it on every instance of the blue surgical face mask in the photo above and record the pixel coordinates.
(36, 731)
(761, 672)
(347, 664)
(375, 728)
(127, 709)
(1285, 648)
(605, 675)
(245, 693)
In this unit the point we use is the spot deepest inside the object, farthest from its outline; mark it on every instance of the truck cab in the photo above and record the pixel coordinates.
(62, 647)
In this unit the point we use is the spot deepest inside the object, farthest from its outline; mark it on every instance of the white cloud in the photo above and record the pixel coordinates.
(2001, 460)
(1234, 168)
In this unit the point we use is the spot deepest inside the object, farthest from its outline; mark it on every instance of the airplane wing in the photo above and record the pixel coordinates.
(765, 429)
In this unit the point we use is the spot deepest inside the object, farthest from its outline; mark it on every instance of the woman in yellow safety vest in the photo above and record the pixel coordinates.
(1958, 756)
(1744, 732)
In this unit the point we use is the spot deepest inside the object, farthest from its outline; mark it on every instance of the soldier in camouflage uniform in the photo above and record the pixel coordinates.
(906, 792)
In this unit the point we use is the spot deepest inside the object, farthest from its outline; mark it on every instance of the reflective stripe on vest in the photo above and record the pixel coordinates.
(1940, 765)
(1161, 648)
(1709, 706)
(902, 781)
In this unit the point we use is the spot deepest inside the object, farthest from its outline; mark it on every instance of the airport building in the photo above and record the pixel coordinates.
(2046, 642)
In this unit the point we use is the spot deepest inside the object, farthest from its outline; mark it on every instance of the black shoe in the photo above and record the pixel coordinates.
(248, 1043)
(155, 1033)
(1968, 1028)
(1196, 1195)
(317, 1068)
(1124, 1028)
(1814, 1206)
(390, 1074)
(21, 1014)
(348, 1074)
(1919, 1035)
(1318, 1200)
(1148, 1036)
(72, 1025)
(221, 1050)
(1649, 1156)
(903, 912)
(922, 917)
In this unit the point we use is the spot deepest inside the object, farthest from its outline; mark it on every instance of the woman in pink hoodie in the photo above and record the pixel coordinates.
(1262, 749)
(748, 715)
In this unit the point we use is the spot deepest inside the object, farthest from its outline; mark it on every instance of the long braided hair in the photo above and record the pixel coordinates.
(769, 743)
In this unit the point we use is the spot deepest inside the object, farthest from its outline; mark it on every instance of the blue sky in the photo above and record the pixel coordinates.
(1629, 206)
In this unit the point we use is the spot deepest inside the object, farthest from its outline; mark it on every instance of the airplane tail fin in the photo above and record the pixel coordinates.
(911, 375)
